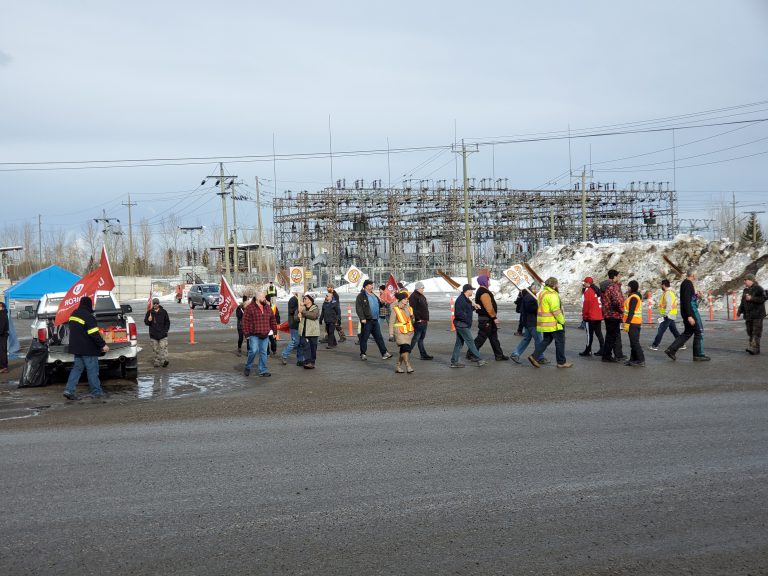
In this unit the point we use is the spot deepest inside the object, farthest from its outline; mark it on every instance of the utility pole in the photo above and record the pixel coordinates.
(584, 177)
(187, 230)
(467, 234)
(130, 236)
(106, 224)
(39, 239)
(220, 181)
(735, 236)
(552, 223)
(235, 197)
(261, 230)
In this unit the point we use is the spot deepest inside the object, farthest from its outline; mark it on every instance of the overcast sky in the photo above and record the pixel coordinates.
(101, 80)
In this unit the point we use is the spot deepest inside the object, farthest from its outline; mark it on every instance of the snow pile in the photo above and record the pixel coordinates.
(721, 265)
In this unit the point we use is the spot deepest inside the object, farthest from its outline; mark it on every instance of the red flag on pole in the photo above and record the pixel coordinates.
(149, 300)
(228, 303)
(389, 294)
(99, 279)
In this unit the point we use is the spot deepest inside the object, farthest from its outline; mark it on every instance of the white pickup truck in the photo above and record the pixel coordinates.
(117, 328)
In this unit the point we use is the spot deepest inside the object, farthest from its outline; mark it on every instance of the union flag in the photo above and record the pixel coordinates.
(99, 279)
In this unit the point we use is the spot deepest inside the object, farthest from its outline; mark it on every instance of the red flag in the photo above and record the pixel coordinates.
(149, 300)
(99, 279)
(389, 294)
(283, 327)
(228, 303)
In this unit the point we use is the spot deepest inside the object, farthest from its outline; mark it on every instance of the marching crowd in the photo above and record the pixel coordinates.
(541, 320)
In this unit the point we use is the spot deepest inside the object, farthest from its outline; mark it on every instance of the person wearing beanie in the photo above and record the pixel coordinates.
(401, 330)
(487, 319)
(752, 308)
(159, 325)
(633, 322)
(689, 311)
(550, 321)
(85, 343)
(592, 314)
(612, 299)
(367, 307)
(309, 329)
(420, 308)
(462, 322)
(529, 305)
(667, 312)
(329, 316)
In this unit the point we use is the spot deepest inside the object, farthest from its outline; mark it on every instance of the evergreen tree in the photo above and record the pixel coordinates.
(752, 230)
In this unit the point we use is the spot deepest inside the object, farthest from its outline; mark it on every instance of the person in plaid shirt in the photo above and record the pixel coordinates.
(258, 322)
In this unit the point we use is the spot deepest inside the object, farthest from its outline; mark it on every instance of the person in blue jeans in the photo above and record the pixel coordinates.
(293, 326)
(258, 322)
(528, 308)
(668, 312)
(462, 321)
(367, 307)
(86, 343)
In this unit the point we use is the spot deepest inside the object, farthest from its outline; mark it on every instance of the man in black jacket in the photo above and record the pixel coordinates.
(418, 302)
(159, 324)
(3, 338)
(487, 319)
(689, 311)
(753, 309)
(462, 322)
(85, 342)
(293, 326)
(367, 307)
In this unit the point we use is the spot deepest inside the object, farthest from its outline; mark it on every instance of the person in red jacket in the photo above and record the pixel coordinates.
(592, 314)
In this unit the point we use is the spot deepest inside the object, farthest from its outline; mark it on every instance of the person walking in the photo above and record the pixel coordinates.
(487, 319)
(384, 307)
(339, 330)
(86, 343)
(668, 313)
(752, 308)
(271, 292)
(420, 308)
(272, 348)
(159, 325)
(612, 300)
(367, 308)
(401, 328)
(239, 311)
(633, 322)
(550, 321)
(464, 307)
(293, 327)
(258, 322)
(693, 326)
(529, 305)
(592, 314)
(309, 328)
(329, 316)
(4, 328)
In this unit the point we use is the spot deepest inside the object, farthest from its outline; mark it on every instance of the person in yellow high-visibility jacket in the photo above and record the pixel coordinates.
(633, 321)
(550, 321)
(668, 313)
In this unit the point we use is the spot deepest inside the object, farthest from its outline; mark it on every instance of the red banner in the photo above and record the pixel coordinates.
(389, 294)
(228, 303)
(100, 279)
(149, 300)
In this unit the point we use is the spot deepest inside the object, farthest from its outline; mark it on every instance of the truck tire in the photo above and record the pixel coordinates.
(191, 304)
(206, 306)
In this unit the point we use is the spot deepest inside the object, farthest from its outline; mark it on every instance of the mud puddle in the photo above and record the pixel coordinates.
(181, 385)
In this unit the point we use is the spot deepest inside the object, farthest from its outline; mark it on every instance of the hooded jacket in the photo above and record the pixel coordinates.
(84, 336)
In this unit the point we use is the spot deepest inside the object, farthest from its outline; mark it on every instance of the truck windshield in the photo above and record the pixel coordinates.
(210, 289)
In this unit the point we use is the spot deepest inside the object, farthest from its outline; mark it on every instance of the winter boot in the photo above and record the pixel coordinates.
(407, 359)
(399, 365)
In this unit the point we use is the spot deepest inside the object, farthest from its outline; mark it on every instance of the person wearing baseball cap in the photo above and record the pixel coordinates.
(462, 321)
(592, 314)
(159, 325)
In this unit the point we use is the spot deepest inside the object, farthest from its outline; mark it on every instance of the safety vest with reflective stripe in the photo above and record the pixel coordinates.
(673, 310)
(637, 315)
(81, 321)
(403, 323)
(549, 317)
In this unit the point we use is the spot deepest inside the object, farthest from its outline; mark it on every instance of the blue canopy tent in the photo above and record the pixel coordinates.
(51, 279)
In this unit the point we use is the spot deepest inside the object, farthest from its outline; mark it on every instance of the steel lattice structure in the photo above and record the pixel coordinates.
(418, 228)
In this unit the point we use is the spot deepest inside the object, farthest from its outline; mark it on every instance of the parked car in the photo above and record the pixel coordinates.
(206, 295)
(117, 327)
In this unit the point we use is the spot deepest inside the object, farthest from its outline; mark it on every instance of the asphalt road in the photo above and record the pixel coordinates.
(666, 485)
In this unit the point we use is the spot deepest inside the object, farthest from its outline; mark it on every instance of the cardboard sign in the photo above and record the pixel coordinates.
(519, 276)
(296, 278)
(353, 275)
